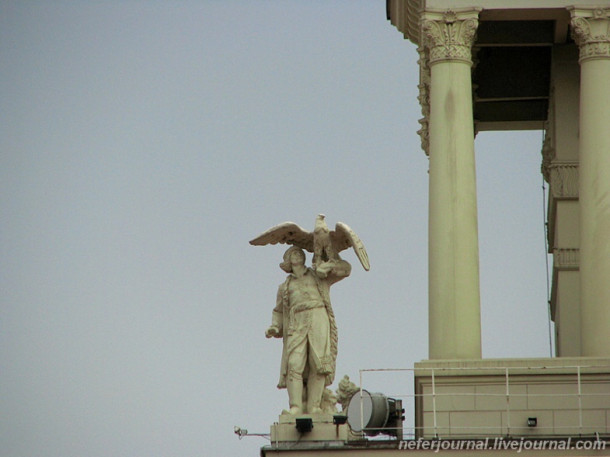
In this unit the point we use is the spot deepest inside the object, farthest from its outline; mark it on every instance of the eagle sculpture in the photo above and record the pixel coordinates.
(324, 244)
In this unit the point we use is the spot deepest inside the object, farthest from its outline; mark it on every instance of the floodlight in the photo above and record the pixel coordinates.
(339, 419)
(374, 413)
(304, 424)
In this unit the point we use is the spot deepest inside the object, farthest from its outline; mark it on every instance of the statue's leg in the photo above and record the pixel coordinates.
(318, 351)
(294, 386)
(294, 378)
(315, 389)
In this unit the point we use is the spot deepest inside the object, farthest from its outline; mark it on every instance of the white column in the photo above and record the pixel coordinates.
(454, 304)
(591, 30)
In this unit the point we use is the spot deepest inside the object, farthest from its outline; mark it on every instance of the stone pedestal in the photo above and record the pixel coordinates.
(323, 429)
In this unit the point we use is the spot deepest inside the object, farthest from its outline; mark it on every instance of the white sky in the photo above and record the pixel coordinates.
(143, 143)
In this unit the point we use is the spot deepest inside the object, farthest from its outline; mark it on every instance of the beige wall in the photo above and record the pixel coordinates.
(470, 398)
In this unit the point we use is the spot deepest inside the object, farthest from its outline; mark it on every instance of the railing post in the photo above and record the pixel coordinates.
(507, 405)
(434, 404)
(361, 406)
(579, 401)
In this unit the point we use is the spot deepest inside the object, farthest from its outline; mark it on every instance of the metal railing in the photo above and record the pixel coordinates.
(510, 377)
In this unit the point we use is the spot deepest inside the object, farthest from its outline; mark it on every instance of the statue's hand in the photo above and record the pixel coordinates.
(272, 331)
(324, 268)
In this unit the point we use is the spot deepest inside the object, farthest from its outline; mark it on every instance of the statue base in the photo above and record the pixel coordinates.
(323, 429)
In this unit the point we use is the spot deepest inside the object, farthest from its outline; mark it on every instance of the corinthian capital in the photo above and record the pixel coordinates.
(449, 35)
(591, 31)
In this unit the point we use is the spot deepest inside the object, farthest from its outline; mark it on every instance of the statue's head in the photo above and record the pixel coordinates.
(286, 265)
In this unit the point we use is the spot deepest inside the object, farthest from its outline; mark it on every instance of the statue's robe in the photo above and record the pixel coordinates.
(317, 325)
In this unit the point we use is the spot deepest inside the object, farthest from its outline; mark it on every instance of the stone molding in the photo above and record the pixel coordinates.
(566, 258)
(563, 180)
(591, 32)
(563, 185)
(548, 154)
(449, 35)
(424, 98)
(404, 15)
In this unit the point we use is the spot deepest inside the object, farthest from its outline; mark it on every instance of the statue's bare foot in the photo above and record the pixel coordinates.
(315, 410)
(295, 410)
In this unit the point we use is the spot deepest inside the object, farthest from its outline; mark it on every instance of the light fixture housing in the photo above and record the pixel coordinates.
(532, 421)
(339, 419)
(304, 424)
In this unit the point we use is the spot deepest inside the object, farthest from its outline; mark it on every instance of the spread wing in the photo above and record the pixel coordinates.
(344, 237)
(286, 233)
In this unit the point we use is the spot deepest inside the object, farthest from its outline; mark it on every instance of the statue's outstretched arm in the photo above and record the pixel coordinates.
(277, 317)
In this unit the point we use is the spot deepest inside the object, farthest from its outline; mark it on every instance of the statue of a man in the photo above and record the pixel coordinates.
(304, 318)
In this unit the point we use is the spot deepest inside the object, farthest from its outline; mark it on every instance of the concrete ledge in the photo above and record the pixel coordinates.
(553, 365)
(323, 429)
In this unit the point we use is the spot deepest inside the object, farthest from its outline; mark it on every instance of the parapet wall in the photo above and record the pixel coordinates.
(497, 397)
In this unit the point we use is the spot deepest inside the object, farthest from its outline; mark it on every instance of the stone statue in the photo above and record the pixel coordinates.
(329, 402)
(303, 315)
(347, 389)
(325, 245)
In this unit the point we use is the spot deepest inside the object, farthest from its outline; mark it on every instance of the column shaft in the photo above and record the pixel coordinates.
(592, 32)
(454, 303)
(595, 208)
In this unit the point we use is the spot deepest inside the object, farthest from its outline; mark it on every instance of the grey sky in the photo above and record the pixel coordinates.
(143, 143)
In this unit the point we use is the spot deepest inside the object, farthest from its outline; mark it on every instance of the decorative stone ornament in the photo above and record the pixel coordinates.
(347, 389)
(424, 98)
(591, 31)
(325, 244)
(563, 179)
(445, 36)
(450, 35)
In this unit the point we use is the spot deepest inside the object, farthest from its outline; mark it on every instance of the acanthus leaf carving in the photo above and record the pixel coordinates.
(591, 32)
(446, 35)
(450, 36)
